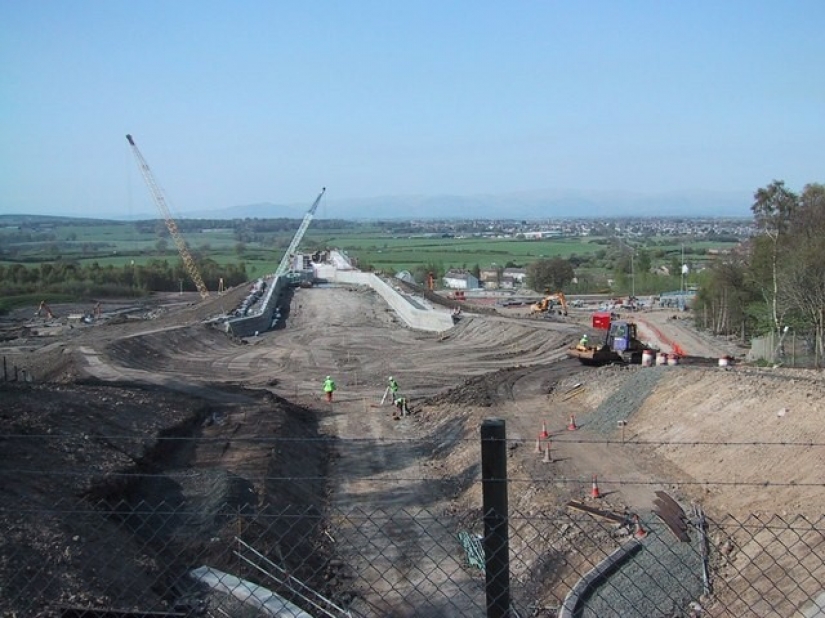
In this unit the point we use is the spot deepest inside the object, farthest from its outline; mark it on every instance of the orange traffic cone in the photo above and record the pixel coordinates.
(544, 433)
(594, 493)
(548, 458)
(640, 532)
(538, 445)
(572, 426)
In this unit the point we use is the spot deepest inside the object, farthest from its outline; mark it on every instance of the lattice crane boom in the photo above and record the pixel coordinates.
(299, 235)
(160, 201)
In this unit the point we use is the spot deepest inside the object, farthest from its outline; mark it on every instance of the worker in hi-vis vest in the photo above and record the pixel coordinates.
(393, 386)
(329, 388)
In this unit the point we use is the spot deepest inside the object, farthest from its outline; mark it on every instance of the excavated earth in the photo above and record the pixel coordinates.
(152, 412)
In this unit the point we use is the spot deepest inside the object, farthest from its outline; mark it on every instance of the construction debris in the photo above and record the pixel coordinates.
(617, 518)
(669, 511)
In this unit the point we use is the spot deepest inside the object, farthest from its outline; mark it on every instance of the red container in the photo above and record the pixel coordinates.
(601, 320)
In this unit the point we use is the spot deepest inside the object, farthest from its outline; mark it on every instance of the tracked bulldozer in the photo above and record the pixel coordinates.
(621, 345)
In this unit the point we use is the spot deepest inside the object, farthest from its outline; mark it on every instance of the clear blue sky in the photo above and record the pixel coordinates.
(245, 102)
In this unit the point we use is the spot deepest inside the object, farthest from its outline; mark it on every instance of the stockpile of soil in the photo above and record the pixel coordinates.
(108, 501)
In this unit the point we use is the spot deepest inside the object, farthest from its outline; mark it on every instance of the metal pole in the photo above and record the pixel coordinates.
(496, 540)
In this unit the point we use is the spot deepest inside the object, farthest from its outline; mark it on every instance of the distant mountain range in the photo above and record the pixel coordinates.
(526, 205)
(530, 206)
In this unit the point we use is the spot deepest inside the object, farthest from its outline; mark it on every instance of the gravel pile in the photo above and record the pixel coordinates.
(666, 575)
(661, 580)
(622, 403)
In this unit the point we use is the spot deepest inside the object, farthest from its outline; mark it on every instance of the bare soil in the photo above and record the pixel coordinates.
(104, 397)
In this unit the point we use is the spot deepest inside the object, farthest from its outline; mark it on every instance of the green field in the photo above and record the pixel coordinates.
(396, 254)
(133, 247)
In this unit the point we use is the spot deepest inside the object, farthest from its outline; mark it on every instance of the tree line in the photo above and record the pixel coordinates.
(776, 282)
(72, 279)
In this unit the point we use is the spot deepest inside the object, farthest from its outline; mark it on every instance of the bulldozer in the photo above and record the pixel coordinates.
(621, 345)
(547, 304)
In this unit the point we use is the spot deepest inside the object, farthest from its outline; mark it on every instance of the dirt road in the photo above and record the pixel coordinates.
(394, 479)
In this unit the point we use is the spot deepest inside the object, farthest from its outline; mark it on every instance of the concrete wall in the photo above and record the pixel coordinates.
(436, 319)
(260, 322)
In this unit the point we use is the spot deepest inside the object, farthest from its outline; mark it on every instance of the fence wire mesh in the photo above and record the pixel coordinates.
(96, 557)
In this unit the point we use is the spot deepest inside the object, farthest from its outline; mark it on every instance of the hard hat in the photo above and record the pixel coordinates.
(328, 378)
(390, 378)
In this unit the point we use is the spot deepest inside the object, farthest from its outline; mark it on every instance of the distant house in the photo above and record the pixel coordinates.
(507, 283)
(489, 278)
(459, 280)
(517, 275)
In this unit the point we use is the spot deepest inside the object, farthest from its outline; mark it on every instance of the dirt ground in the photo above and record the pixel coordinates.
(697, 431)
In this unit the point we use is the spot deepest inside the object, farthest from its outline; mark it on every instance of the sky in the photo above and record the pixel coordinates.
(268, 101)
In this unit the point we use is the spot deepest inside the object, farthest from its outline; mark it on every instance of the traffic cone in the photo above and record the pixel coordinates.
(572, 426)
(544, 433)
(640, 532)
(548, 458)
(594, 493)
(538, 445)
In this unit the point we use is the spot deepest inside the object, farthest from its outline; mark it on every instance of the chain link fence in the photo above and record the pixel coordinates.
(96, 558)
(791, 349)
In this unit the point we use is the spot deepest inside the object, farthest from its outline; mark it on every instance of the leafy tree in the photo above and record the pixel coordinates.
(643, 261)
(773, 208)
(723, 301)
(675, 266)
(422, 271)
(553, 274)
(803, 280)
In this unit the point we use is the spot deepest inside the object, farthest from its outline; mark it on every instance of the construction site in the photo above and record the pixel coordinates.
(312, 443)
(161, 404)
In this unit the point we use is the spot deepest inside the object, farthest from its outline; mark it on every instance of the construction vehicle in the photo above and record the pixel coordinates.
(283, 267)
(160, 202)
(44, 308)
(546, 304)
(621, 344)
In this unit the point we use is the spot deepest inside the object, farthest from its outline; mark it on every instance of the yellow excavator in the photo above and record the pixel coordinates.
(44, 308)
(548, 303)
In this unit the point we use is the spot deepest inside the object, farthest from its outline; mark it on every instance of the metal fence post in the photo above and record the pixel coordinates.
(496, 540)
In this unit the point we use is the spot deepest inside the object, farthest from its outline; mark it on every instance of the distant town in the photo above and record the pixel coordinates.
(723, 228)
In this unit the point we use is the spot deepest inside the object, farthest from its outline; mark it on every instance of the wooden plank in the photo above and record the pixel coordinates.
(609, 515)
(675, 524)
(672, 504)
(667, 508)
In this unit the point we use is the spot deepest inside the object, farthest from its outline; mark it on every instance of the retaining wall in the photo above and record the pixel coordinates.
(437, 319)
(260, 322)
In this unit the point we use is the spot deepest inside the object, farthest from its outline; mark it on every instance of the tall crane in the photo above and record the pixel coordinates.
(299, 235)
(160, 201)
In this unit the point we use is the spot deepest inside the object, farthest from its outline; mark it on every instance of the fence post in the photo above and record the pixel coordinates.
(496, 540)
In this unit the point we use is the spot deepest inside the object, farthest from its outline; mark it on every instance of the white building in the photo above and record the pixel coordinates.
(459, 280)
